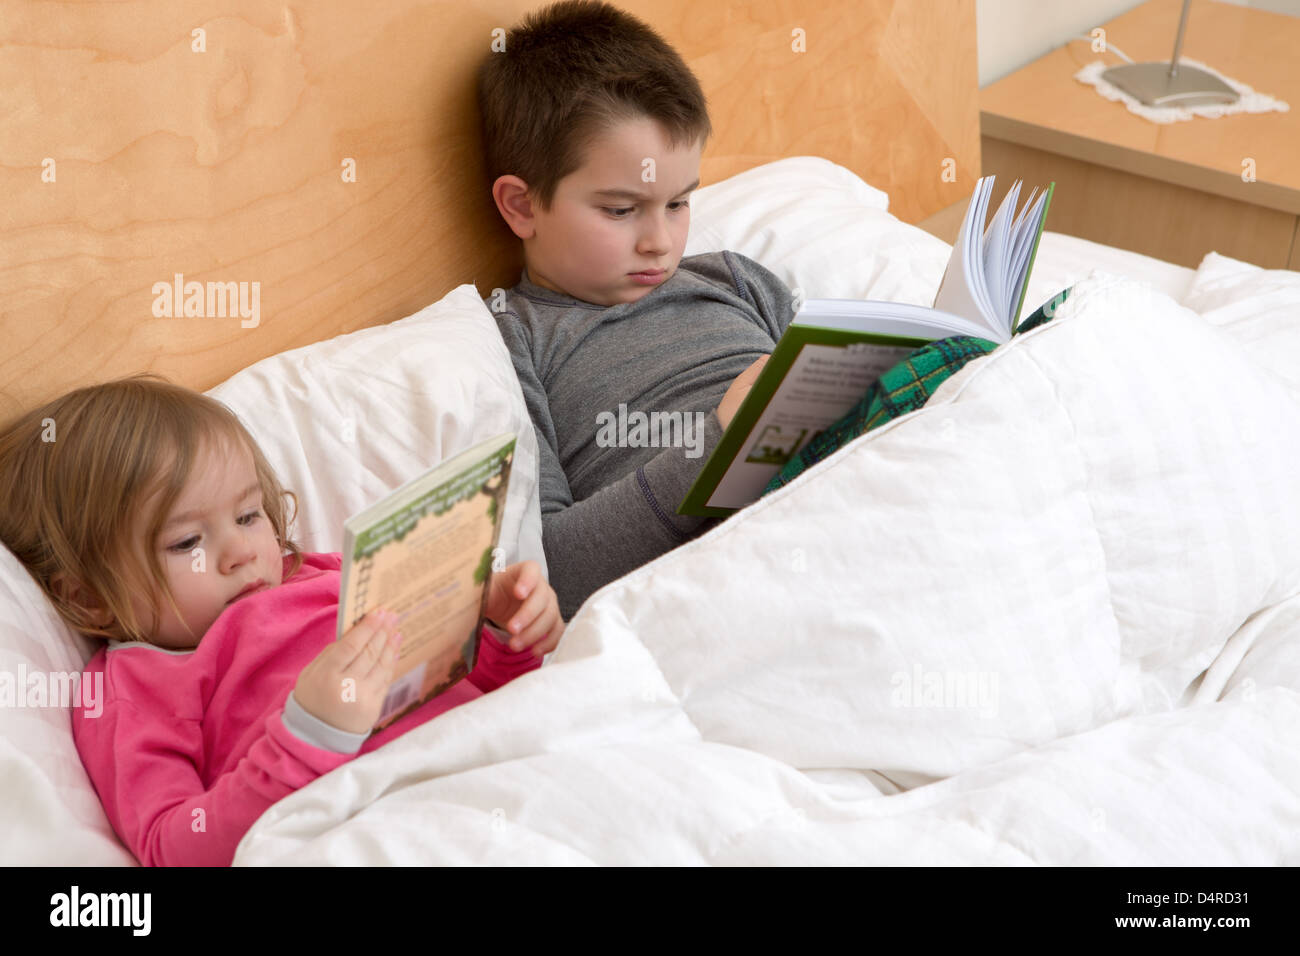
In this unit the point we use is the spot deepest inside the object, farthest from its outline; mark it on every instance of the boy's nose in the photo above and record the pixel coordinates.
(655, 239)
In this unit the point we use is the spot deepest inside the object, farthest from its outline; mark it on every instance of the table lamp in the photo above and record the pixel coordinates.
(1168, 84)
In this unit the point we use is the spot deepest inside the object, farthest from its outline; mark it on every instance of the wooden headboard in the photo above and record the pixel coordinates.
(215, 140)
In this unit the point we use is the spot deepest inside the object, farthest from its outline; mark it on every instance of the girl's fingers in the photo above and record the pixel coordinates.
(526, 583)
(532, 618)
(546, 630)
(503, 593)
(363, 645)
(382, 668)
(550, 642)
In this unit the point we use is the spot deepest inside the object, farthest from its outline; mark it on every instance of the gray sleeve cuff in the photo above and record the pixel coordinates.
(316, 732)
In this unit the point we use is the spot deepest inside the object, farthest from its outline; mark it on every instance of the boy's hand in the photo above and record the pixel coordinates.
(522, 603)
(739, 388)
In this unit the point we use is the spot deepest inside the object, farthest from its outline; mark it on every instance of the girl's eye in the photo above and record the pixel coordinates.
(684, 204)
(190, 543)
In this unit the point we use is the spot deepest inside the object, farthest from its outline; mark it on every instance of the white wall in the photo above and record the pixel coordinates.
(1290, 7)
(1013, 33)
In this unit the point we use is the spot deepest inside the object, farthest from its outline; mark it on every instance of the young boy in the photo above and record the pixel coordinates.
(593, 129)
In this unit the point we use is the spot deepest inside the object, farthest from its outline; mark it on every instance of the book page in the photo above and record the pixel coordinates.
(1026, 245)
(425, 580)
(429, 561)
(997, 256)
(961, 291)
(823, 383)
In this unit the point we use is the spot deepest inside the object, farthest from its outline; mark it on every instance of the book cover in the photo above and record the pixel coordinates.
(425, 552)
(834, 350)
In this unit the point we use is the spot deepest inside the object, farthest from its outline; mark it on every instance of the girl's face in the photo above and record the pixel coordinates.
(215, 544)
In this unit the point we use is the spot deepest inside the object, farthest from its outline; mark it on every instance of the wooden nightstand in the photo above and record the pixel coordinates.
(1174, 191)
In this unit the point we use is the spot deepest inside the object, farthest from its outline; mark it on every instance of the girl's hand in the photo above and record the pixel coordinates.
(522, 603)
(346, 684)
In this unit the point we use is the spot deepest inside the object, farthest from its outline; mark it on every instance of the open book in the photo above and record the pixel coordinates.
(835, 349)
(425, 552)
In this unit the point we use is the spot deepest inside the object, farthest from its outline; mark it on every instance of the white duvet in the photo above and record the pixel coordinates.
(1052, 617)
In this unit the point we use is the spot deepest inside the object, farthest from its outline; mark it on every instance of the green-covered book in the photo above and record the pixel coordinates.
(835, 349)
(425, 552)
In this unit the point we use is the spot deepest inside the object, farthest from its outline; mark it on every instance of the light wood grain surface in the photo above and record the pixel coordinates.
(1043, 107)
(1141, 214)
(128, 157)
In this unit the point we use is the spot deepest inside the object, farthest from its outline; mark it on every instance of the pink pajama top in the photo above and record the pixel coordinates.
(191, 747)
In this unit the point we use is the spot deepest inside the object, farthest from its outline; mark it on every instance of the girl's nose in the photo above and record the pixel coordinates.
(237, 551)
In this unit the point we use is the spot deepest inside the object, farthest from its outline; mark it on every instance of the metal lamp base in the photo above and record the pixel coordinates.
(1151, 84)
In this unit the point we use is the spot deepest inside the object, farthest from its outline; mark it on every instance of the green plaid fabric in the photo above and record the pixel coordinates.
(905, 387)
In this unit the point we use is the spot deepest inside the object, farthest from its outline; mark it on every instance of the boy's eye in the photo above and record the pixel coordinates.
(623, 211)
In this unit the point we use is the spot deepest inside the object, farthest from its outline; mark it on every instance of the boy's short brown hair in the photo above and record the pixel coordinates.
(567, 74)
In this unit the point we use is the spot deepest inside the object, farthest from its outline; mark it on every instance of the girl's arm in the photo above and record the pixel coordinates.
(147, 772)
(497, 664)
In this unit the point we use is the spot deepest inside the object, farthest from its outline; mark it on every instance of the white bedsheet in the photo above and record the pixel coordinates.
(1058, 608)
(1063, 260)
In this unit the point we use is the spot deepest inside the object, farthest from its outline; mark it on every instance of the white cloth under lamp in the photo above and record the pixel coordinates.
(1171, 84)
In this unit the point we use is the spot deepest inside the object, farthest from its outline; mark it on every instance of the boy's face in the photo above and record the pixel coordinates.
(220, 511)
(606, 223)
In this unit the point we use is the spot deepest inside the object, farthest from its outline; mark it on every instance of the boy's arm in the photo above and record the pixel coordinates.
(552, 483)
(622, 526)
(771, 297)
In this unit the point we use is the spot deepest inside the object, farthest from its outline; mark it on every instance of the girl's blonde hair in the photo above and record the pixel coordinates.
(76, 474)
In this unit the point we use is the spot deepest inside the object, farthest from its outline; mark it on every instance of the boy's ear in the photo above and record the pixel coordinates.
(511, 196)
(74, 592)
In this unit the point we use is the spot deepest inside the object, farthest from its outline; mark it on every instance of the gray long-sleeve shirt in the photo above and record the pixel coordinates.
(608, 496)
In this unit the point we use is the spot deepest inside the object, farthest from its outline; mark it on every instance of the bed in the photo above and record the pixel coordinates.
(1053, 617)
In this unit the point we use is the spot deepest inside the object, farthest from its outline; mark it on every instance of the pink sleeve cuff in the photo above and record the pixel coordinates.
(497, 664)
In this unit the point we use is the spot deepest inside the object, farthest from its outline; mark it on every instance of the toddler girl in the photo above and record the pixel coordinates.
(151, 519)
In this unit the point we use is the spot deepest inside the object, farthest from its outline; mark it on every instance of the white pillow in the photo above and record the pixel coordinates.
(416, 391)
(345, 421)
(49, 812)
(821, 229)
(1260, 307)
